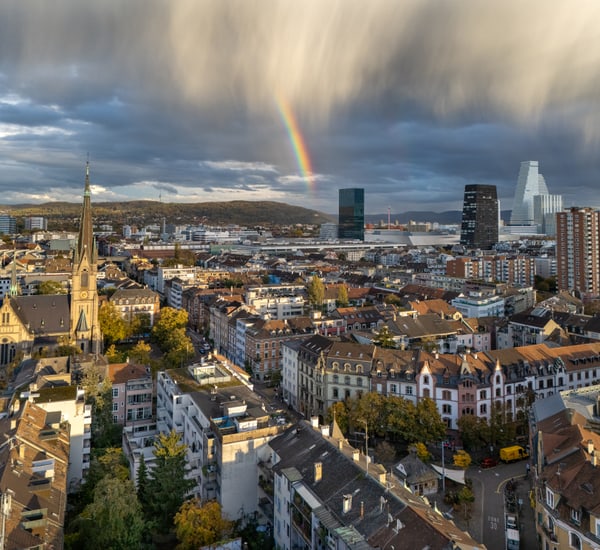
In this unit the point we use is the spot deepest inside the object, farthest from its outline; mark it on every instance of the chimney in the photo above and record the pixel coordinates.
(346, 503)
(325, 430)
(590, 446)
(340, 444)
(314, 421)
(318, 471)
(355, 455)
(362, 509)
(594, 459)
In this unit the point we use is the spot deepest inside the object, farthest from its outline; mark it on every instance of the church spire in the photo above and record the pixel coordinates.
(14, 287)
(85, 241)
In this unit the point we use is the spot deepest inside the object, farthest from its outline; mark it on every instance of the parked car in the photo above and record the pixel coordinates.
(489, 462)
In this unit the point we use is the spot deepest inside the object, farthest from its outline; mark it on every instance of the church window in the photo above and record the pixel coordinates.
(84, 279)
(5, 318)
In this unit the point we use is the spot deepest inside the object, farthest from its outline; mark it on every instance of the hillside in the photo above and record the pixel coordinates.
(246, 213)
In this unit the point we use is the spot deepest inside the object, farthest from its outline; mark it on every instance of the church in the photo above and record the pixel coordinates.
(31, 325)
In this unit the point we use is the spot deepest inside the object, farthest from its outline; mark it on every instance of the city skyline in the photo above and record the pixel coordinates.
(202, 101)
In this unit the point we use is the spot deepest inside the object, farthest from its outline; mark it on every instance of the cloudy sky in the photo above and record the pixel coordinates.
(210, 100)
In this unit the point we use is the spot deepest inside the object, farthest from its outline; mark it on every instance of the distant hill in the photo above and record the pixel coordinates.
(246, 213)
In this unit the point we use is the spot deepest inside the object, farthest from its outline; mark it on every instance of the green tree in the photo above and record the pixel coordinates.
(474, 431)
(384, 338)
(142, 484)
(429, 426)
(167, 482)
(112, 325)
(342, 296)
(51, 287)
(316, 292)
(392, 299)
(400, 417)
(114, 518)
(199, 524)
(169, 320)
(339, 412)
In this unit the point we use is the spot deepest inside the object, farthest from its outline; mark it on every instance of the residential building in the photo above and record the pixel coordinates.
(578, 250)
(545, 208)
(566, 457)
(476, 304)
(325, 494)
(311, 384)
(66, 403)
(132, 393)
(136, 302)
(479, 228)
(34, 458)
(226, 429)
(351, 218)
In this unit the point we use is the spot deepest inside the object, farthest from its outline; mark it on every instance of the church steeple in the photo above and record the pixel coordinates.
(86, 245)
(84, 295)
(14, 286)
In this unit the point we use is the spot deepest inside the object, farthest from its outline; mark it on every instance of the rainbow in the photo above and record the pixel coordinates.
(297, 141)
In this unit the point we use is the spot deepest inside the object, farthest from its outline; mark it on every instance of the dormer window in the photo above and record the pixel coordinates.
(549, 498)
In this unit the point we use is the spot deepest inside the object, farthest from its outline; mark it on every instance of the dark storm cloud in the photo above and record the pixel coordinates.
(411, 100)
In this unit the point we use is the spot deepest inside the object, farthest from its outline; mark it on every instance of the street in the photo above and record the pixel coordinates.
(488, 509)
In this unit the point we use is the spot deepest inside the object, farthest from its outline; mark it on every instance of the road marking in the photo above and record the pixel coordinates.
(499, 488)
(494, 522)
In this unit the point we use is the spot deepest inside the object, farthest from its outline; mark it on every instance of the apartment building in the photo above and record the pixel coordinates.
(132, 393)
(326, 495)
(135, 302)
(34, 458)
(578, 250)
(226, 429)
(65, 403)
(566, 458)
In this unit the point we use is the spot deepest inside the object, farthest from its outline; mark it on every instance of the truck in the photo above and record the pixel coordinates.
(513, 453)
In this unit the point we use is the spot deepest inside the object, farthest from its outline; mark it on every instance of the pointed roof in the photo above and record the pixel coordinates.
(85, 241)
(82, 325)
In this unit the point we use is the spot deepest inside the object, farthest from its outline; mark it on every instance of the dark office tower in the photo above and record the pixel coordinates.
(480, 217)
(351, 219)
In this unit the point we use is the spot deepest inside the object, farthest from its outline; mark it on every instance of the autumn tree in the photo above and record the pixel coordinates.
(198, 524)
(462, 459)
(400, 417)
(167, 482)
(474, 431)
(140, 353)
(112, 325)
(316, 292)
(422, 452)
(342, 296)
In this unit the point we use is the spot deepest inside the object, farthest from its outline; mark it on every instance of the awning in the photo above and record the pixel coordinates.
(454, 475)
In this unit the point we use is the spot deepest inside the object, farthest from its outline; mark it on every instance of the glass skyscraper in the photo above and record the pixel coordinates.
(351, 219)
(479, 227)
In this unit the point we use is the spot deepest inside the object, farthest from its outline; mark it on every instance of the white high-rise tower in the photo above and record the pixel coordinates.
(530, 184)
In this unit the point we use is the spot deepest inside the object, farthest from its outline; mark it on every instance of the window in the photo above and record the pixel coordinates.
(335, 378)
(425, 379)
(426, 392)
(483, 408)
(115, 407)
(549, 498)
(483, 394)
(446, 409)
(498, 392)
(115, 392)
(347, 380)
(446, 395)
(576, 516)
(574, 541)
(409, 390)
(359, 381)
(335, 393)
